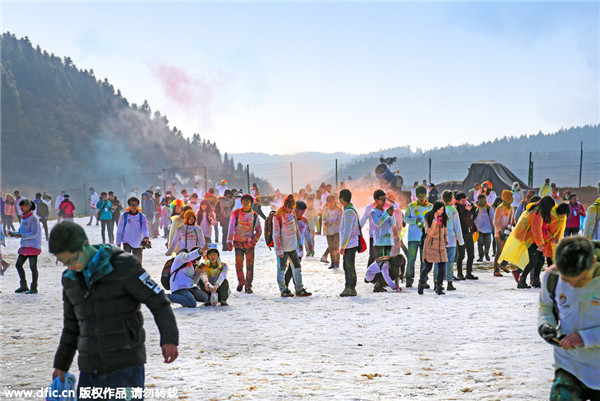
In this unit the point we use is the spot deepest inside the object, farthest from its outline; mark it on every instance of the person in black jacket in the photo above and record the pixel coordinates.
(103, 287)
(466, 215)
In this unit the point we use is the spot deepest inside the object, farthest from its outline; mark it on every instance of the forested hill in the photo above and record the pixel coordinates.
(61, 126)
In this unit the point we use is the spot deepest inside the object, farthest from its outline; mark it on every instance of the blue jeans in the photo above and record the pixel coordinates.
(413, 247)
(451, 253)
(188, 296)
(296, 272)
(128, 378)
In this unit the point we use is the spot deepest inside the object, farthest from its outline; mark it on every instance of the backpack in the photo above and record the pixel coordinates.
(165, 276)
(42, 209)
(269, 229)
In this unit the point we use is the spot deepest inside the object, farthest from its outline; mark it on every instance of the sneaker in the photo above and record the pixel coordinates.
(516, 275)
(523, 285)
(498, 274)
(324, 260)
(303, 293)
(207, 303)
(504, 269)
(487, 257)
(224, 303)
(426, 286)
(311, 253)
(348, 292)
(480, 259)
(88, 224)
(460, 277)
(450, 286)
(332, 266)
(240, 287)
(471, 277)
(249, 291)
(22, 289)
(420, 289)
(536, 285)
(409, 283)
(32, 291)
(286, 293)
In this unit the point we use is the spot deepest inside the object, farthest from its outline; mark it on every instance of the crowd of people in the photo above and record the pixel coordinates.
(441, 229)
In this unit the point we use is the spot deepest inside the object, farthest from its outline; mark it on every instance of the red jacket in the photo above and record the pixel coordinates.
(573, 221)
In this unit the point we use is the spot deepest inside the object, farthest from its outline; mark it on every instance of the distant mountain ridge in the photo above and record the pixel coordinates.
(555, 155)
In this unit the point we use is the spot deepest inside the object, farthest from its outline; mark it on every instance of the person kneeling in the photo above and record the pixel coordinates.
(184, 277)
(214, 276)
(386, 271)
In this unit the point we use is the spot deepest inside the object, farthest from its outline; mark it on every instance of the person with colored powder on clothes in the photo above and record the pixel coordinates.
(286, 239)
(243, 233)
(504, 221)
(384, 222)
(569, 320)
(414, 216)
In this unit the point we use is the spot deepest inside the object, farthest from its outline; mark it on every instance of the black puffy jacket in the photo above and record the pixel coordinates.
(104, 322)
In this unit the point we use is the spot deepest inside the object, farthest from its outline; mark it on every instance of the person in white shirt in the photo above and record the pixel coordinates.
(94, 198)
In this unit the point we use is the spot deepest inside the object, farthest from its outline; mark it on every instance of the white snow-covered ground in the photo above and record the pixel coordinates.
(477, 343)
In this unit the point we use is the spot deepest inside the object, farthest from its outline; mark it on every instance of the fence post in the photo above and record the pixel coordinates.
(205, 180)
(84, 200)
(248, 176)
(580, 163)
(430, 170)
(292, 176)
(530, 173)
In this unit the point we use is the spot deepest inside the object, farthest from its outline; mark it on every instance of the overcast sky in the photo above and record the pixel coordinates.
(281, 77)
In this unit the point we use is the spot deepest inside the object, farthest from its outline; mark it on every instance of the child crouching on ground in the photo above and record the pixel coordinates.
(386, 271)
(213, 274)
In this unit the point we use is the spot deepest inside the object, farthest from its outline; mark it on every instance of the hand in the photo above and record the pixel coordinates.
(301, 248)
(17, 235)
(343, 251)
(571, 341)
(280, 255)
(207, 287)
(548, 333)
(251, 242)
(59, 373)
(230, 246)
(169, 352)
(390, 210)
(398, 289)
(119, 245)
(213, 288)
(541, 248)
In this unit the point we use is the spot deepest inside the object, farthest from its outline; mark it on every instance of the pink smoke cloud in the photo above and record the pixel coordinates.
(187, 91)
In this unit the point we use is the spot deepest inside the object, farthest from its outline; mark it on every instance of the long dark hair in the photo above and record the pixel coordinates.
(201, 212)
(397, 266)
(436, 206)
(543, 207)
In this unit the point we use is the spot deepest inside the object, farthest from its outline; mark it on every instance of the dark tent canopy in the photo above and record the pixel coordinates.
(485, 170)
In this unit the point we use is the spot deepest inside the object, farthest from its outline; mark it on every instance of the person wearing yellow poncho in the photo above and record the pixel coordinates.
(555, 230)
(176, 219)
(525, 244)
